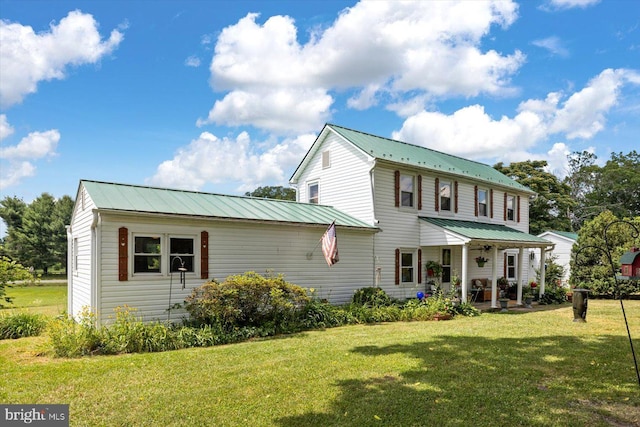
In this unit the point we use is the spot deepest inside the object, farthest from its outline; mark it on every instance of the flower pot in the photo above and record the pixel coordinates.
(480, 264)
(504, 303)
(527, 302)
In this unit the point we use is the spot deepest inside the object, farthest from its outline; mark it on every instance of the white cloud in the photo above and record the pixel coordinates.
(5, 128)
(217, 160)
(15, 172)
(424, 49)
(27, 57)
(192, 61)
(17, 162)
(568, 4)
(553, 44)
(471, 132)
(36, 145)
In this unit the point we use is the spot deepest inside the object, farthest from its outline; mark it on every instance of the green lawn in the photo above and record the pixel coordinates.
(528, 369)
(49, 298)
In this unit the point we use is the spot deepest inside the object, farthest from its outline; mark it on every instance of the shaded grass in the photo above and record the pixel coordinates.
(534, 368)
(48, 298)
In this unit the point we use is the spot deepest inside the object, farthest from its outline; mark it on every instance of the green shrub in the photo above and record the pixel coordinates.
(372, 297)
(21, 325)
(248, 300)
(553, 294)
(69, 338)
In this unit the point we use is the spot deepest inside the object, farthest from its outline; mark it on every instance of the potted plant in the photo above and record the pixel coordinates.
(434, 268)
(527, 296)
(481, 260)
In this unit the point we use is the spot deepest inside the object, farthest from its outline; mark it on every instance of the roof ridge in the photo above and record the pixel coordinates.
(410, 144)
(179, 190)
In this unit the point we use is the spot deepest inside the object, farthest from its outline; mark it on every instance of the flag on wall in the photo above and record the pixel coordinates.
(330, 245)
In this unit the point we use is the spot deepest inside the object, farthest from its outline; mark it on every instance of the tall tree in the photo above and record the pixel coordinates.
(61, 218)
(549, 210)
(36, 243)
(273, 192)
(618, 185)
(11, 211)
(581, 179)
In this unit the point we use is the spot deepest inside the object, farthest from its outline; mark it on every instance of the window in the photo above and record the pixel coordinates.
(406, 191)
(147, 256)
(511, 208)
(445, 196)
(511, 267)
(483, 203)
(75, 254)
(326, 160)
(446, 265)
(181, 251)
(406, 267)
(314, 196)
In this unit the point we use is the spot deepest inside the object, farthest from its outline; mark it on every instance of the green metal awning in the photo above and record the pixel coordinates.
(469, 230)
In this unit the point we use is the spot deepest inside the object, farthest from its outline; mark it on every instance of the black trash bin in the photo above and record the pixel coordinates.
(580, 298)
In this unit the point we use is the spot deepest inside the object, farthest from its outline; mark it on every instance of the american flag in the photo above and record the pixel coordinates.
(330, 245)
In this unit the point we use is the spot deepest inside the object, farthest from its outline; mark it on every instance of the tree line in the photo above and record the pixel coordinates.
(36, 232)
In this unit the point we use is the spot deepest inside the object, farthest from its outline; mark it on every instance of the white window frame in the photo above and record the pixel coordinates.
(486, 202)
(191, 267)
(135, 254)
(446, 266)
(75, 256)
(317, 197)
(444, 185)
(406, 268)
(410, 201)
(512, 268)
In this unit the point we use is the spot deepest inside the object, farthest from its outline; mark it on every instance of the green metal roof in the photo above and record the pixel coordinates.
(133, 198)
(422, 157)
(488, 232)
(629, 257)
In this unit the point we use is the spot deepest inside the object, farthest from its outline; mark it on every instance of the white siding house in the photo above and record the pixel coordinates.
(396, 207)
(131, 240)
(428, 205)
(563, 243)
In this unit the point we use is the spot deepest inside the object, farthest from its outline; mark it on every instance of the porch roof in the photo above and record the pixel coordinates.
(494, 233)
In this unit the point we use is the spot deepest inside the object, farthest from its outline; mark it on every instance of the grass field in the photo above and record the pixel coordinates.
(49, 299)
(527, 369)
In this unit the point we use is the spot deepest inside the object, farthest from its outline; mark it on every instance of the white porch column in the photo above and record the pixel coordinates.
(494, 278)
(465, 286)
(543, 269)
(521, 268)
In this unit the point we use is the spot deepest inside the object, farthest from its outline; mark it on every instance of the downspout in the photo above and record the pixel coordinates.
(95, 265)
(494, 278)
(377, 275)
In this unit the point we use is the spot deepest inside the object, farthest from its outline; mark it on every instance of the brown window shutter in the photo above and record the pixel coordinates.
(419, 192)
(455, 196)
(505, 206)
(204, 255)
(491, 202)
(518, 207)
(475, 198)
(123, 254)
(419, 265)
(397, 266)
(437, 194)
(396, 175)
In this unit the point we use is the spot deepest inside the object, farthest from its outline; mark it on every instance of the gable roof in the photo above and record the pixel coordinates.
(133, 198)
(566, 234)
(486, 232)
(391, 150)
(629, 257)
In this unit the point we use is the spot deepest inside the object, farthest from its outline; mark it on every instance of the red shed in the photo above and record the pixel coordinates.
(630, 263)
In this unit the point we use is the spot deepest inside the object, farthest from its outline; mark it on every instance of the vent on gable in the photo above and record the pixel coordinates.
(326, 160)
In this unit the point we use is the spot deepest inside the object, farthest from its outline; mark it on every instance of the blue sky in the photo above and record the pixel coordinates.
(225, 96)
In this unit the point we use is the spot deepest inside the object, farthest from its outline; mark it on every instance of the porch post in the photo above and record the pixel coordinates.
(520, 275)
(464, 287)
(494, 278)
(543, 269)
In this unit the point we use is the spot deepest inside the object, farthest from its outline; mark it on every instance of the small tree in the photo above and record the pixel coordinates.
(10, 273)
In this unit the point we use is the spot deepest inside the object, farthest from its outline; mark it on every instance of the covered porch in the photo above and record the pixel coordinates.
(505, 252)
